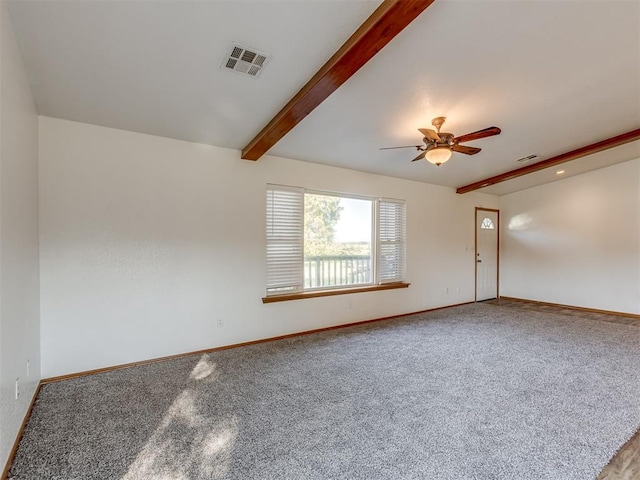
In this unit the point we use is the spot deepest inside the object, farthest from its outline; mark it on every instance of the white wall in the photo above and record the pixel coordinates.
(145, 241)
(575, 241)
(19, 290)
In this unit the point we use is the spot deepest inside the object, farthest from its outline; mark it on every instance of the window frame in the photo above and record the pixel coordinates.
(376, 283)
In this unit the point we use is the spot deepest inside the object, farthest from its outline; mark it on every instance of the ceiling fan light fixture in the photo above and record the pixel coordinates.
(438, 155)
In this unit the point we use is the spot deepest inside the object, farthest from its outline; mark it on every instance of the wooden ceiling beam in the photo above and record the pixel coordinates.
(389, 19)
(631, 136)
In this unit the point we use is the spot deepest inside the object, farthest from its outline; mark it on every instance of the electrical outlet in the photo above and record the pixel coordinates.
(447, 290)
(458, 290)
(17, 388)
(349, 306)
(28, 368)
(220, 322)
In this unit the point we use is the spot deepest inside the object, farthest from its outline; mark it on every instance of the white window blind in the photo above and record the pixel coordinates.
(285, 235)
(392, 239)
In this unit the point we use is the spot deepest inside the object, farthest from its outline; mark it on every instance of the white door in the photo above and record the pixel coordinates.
(486, 254)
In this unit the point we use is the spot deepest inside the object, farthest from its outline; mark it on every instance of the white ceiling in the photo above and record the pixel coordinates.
(554, 75)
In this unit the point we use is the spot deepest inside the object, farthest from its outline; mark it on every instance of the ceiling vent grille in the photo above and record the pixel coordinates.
(526, 159)
(245, 60)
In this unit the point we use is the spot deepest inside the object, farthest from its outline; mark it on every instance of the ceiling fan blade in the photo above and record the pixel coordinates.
(464, 149)
(487, 132)
(430, 134)
(419, 157)
(406, 146)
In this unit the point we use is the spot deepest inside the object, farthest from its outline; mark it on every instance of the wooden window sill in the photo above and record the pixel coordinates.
(338, 291)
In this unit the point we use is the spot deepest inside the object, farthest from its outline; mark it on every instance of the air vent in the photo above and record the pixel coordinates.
(526, 159)
(245, 60)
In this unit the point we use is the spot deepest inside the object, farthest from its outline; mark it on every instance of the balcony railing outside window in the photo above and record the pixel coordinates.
(333, 271)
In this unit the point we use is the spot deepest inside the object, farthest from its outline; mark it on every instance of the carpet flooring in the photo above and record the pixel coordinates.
(471, 392)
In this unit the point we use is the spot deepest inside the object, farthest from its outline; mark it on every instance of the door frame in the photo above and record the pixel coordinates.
(475, 251)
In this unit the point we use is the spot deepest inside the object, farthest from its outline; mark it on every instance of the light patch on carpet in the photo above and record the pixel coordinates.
(186, 441)
(205, 368)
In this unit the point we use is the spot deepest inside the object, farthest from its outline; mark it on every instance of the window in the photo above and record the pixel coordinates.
(337, 241)
(487, 224)
(319, 240)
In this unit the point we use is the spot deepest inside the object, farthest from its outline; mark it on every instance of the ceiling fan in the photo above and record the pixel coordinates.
(438, 145)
